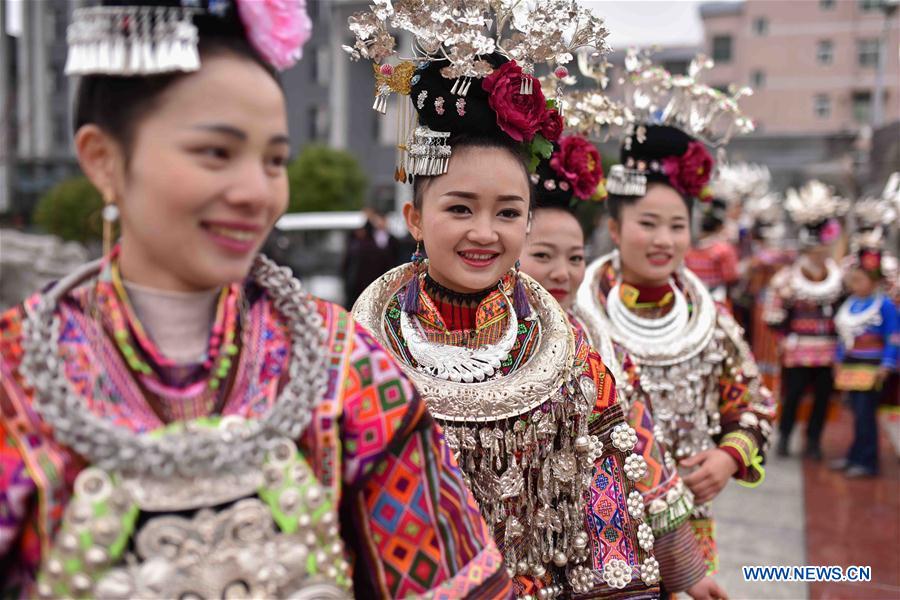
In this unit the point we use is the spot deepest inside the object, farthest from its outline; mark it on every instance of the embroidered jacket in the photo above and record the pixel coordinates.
(878, 341)
(715, 261)
(610, 516)
(407, 521)
(806, 325)
(666, 498)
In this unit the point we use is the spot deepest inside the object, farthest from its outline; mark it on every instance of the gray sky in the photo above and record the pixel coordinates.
(647, 22)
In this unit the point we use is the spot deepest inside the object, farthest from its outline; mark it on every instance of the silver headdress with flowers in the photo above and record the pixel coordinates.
(741, 182)
(813, 203)
(815, 208)
(146, 38)
(703, 112)
(656, 97)
(879, 212)
(460, 35)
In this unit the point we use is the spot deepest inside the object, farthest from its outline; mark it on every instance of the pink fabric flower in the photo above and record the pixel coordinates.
(578, 162)
(830, 232)
(691, 171)
(277, 29)
(520, 116)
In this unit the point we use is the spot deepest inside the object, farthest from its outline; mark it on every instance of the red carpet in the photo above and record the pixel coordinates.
(853, 522)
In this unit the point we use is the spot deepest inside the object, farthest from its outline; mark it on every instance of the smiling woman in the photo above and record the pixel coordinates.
(692, 369)
(528, 409)
(180, 418)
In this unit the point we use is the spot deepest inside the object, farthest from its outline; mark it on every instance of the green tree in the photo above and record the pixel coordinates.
(324, 179)
(71, 210)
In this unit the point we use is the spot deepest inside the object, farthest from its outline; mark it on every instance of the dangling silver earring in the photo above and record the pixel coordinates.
(110, 215)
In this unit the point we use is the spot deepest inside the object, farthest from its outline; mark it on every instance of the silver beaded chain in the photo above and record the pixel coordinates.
(189, 450)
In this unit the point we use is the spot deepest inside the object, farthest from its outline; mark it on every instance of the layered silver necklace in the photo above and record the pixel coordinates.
(851, 325)
(678, 362)
(661, 331)
(458, 363)
(189, 451)
(826, 291)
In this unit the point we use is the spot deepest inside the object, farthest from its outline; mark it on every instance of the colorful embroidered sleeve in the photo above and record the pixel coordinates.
(19, 541)
(745, 406)
(416, 528)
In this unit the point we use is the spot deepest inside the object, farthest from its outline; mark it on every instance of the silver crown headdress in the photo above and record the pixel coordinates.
(767, 212)
(873, 215)
(460, 33)
(741, 182)
(703, 112)
(813, 203)
(132, 40)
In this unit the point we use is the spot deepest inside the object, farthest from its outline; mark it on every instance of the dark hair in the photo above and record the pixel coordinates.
(464, 141)
(118, 104)
(615, 202)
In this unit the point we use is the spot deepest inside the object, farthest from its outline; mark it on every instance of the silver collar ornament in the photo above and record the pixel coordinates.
(523, 444)
(678, 379)
(191, 466)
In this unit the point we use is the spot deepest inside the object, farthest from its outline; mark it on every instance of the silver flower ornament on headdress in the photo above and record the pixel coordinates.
(741, 182)
(145, 39)
(460, 35)
(813, 203)
(657, 96)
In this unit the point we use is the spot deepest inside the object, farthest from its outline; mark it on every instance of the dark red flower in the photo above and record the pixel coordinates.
(691, 171)
(552, 126)
(578, 162)
(520, 116)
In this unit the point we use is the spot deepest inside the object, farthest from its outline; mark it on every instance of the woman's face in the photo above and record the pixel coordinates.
(554, 253)
(206, 179)
(473, 219)
(653, 235)
(859, 283)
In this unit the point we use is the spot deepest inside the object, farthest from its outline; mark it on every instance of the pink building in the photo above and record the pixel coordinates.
(812, 64)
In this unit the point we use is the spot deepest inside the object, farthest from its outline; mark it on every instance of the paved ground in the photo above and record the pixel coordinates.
(804, 514)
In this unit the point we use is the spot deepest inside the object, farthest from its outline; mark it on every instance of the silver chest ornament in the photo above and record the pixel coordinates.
(523, 445)
(277, 536)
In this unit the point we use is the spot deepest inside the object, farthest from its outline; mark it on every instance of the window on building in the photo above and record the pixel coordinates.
(721, 48)
(867, 52)
(760, 26)
(862, 106)
(826, 4)
(825, 52)
(870, 5)
(312, 9)
(822, 106)
(757, 79)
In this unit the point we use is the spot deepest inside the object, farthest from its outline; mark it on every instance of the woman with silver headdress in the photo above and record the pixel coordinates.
(694, 369)
(529, 409)
(801, 308)
(554, 257)
(180, 419)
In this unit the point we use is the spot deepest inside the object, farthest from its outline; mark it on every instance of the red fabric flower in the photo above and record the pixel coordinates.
(690, 172)
(552, 126)
(870, 260)
(578, 162)
(520, 116)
